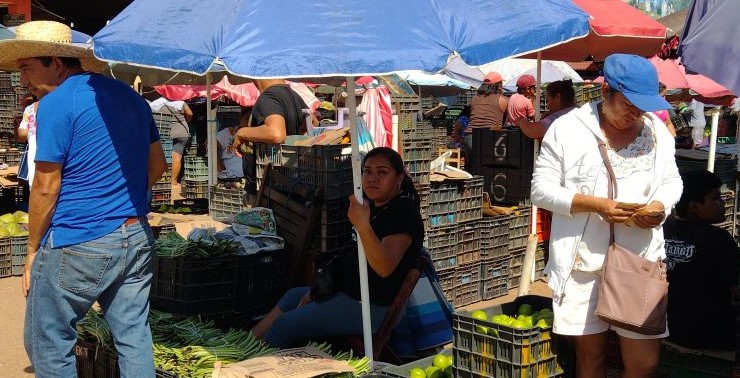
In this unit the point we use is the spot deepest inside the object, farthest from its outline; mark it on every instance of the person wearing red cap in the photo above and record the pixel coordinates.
(520, 104)
(487, 109)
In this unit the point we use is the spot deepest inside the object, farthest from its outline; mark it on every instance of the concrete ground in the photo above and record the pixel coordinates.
(13, 360)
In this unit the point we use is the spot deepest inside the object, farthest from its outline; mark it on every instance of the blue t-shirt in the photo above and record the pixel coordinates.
(100, 131)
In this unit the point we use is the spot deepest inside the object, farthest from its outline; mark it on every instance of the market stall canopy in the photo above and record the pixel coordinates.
(615, 26)
(674, 76)
(674, 22)
(709, 42)
(421, 78)
(551, 71)
(333, 38)
(243, 94)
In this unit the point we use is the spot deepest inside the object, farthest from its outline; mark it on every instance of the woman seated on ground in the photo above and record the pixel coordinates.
(560, 100)
(390, 227)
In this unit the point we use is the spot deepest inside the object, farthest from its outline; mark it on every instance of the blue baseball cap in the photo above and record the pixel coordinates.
(636, 78)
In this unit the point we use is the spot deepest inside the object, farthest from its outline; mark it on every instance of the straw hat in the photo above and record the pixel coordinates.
(46, 38)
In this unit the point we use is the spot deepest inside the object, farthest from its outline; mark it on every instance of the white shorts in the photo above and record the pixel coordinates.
(576, 314)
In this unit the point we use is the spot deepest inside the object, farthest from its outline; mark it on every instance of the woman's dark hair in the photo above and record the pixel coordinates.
(565, 89)
(466, 111)
(486, 89)
(696, 186)
(407, 185)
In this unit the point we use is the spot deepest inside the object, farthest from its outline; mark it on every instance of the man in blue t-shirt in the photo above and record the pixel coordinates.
(98, 155)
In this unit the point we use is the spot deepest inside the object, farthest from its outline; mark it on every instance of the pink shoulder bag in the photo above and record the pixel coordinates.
(634, 290)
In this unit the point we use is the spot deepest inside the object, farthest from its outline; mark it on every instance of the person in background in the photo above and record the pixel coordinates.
(487, 110)
(277, 113)
(26, 133)
(703, 266)
(229, 162)
(179, 131)
(458, 129)
(665, 115)
(520, 104)
(98, 155)
(726, 127)
(389, 224)
(697, 121)
(570, 180)
(560, 100)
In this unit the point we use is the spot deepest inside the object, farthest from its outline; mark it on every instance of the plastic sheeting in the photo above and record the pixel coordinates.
(709, 42)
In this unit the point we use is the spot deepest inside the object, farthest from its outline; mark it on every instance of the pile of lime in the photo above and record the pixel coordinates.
(524, 318)
(441, 368)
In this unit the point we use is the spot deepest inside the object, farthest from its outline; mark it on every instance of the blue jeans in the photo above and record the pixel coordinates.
(340, 315)
(114, 270)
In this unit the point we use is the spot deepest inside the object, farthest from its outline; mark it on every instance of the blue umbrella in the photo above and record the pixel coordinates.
(5, 33)
(332, 38)
(323, 38)
(709, 41)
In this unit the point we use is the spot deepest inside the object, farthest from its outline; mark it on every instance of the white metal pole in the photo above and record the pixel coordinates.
(211, 132)
(530, 257)
(713, 140)
(367, 331)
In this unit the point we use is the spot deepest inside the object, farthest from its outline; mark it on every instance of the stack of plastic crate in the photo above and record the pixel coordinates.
(494, 256)
(323, 168)
(517, 261)
(519, 229)
(164, 125)
(465, 97)
(416, 150)
(162, 189)
(227, 200)
(8, 111)
(195, 177)
(468, 197)
(442, 234)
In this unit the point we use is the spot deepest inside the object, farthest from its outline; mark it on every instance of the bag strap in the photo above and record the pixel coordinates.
(612, 181)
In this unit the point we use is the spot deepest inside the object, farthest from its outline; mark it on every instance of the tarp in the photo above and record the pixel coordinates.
(709, 44)
(331, 37)
(243, 94)
(615, 26)
(551, 71)
(674, 76)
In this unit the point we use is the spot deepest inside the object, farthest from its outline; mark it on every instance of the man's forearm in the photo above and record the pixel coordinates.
(43, 203)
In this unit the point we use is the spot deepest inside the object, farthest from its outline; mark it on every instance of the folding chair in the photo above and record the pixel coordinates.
(392, 317)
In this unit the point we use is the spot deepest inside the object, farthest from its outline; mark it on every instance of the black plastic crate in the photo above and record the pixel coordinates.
(502, 148)
(94, 361)
(188, 286)
(335, 230)
(326, 168)
(262, 279)
(507, 186)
